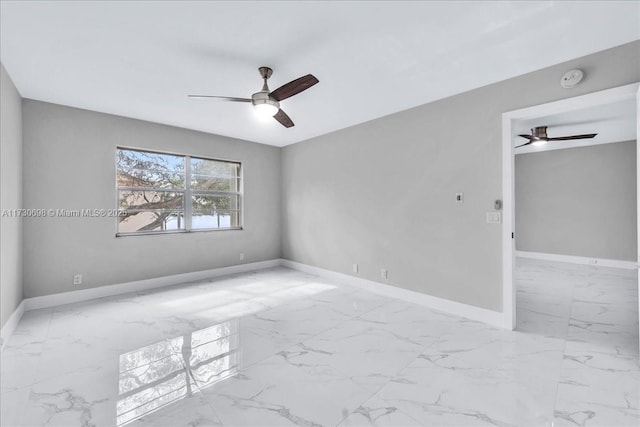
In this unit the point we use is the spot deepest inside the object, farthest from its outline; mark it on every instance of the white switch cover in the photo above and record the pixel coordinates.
(494, 218)
(355, 268)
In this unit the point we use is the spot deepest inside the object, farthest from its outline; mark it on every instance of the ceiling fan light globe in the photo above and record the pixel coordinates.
(263, 105)
(539, 142)
(265, 110)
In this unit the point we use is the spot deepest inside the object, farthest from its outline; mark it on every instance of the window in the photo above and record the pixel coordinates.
(160, 192)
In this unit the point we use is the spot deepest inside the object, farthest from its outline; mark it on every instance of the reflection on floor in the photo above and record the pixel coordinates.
(159, 374)
(279, 347)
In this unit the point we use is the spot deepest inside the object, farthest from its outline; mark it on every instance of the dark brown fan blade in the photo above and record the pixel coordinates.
(526, 143)
(284, 120)
(294, 87)
(223, 98)
(567, 138)
(529, 137)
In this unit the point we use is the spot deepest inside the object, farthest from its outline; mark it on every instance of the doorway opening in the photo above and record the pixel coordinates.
(512, 123)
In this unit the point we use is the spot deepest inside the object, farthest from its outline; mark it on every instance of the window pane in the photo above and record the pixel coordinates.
(210, 203)
(150, 200)
(151, 211)
(141, 221)
(208, 183)
(144, 169)
(215, 219)
(215, 211)
(215, 175)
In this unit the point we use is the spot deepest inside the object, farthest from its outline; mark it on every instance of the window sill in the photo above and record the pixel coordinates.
(160, 233)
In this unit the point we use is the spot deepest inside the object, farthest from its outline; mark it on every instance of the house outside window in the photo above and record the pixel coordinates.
(168, 193)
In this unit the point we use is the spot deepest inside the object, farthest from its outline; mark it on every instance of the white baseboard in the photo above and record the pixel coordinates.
(55, 300)
(600, 262)
(10, 325)
(491, 317)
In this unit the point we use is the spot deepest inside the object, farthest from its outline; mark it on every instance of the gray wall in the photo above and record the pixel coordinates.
(578, 201)
(69, 157)
(10, 196)
(381, 194)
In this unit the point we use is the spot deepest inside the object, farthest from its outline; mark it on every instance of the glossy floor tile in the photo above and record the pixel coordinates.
(280, 347)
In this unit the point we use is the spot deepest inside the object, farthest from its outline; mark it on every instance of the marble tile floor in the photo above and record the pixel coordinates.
(280, 347)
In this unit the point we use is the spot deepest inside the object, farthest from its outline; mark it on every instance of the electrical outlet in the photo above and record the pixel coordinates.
(355, 268)
(494, 218)
(241, 256)
(383, 273)
(77, 279)
(459, 197)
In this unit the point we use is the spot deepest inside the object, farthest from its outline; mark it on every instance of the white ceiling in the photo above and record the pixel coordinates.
(615, 122)
(141, 58)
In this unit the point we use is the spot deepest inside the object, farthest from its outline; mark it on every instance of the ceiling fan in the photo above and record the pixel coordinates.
(539, 136)
(267, 103)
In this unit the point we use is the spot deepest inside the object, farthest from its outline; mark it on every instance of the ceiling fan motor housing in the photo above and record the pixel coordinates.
(539, 132)
(264, 98)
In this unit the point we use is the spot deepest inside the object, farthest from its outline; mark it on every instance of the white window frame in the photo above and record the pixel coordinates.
(187, 192)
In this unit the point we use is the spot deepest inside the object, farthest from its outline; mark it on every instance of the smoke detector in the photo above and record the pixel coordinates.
(571, 79)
